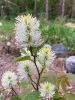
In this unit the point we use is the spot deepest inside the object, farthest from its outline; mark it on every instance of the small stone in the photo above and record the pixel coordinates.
(70, 64)
(59, 49)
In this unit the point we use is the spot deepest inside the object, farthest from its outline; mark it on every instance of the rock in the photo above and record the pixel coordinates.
(59, 49)
(70, 64)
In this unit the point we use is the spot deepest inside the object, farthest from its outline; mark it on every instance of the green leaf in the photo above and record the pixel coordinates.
(24, 84)
(57, 96)
(70, 96)
(32, 96)
(23, 58)
(15, 98)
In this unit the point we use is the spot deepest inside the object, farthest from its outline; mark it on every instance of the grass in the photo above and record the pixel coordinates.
(7, 26)
(58, 32)
(6, 30)
(71, 77)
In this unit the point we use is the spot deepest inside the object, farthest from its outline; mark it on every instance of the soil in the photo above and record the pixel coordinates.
(7, 62)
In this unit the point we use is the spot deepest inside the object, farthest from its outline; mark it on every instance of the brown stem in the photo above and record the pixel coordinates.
(36, 65)
(34, 56)
(31, 78)
(32, 82)
(33, 86)
(42, 71)
(38, 81)
(15, 93)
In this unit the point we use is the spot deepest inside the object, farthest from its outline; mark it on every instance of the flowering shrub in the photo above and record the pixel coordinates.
(36, 57)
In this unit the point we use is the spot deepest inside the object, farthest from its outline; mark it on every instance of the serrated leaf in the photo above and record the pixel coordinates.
(32, 96)
(23, 58)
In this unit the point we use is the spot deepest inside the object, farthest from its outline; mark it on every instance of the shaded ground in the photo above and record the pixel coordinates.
(6, 63)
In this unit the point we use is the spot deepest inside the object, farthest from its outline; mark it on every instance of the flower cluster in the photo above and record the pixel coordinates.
(27, 67)
(47, 90)
(46, 56)
(27, 31)
(23, 69)
(9, 79)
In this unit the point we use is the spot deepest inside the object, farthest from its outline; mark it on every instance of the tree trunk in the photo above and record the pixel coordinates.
(73, 9)
(62, 8)
(46, 9)
(35, 7)
(2, 12)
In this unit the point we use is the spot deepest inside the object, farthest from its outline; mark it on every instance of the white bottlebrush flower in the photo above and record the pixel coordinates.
(27, 31)
(25, 67)
(9, 79)
(46, 56)
(47, 90)
(21, 71)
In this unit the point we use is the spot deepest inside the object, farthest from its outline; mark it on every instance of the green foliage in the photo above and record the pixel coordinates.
(7, 26)
(70, 96)
(32, 96)
(6, 29)
(23, 58)
(53, 11)
(57, 96)
(24, 84)
(15, 98)
(50, 77)
(58, 32)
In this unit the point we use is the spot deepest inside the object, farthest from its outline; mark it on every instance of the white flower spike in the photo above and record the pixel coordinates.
(47, 90)
(27, 31)
(46, 56)
(9, 79)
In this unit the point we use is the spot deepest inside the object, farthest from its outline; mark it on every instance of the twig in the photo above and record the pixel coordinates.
(38, 81)
(15, 92)
(32, 81)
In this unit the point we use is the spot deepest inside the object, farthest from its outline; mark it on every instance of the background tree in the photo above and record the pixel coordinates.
(35, 7)
(73, 9)
(46, 9)
(62, 8)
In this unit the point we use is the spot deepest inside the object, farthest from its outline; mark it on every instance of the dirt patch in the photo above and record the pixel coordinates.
(7, 62)
(72, 25)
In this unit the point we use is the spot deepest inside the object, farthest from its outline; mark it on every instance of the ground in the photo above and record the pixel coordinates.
(6, 63)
